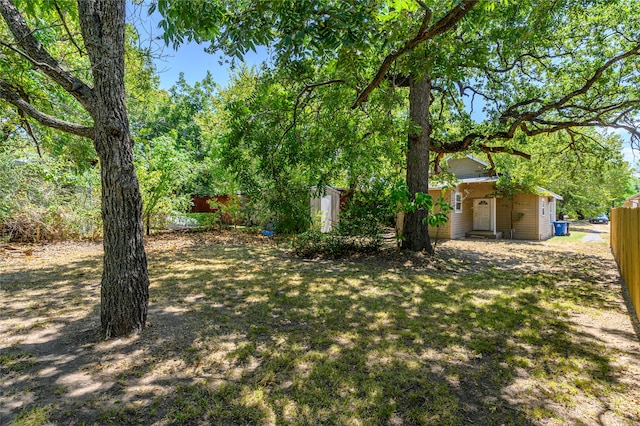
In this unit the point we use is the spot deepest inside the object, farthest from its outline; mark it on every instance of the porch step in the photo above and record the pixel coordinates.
(484, 234)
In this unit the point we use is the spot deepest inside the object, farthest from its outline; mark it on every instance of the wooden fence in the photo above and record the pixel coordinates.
(625, 244)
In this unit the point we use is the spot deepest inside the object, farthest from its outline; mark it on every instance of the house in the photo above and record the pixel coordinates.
(633, 201)
(477, 212)
(325, 206)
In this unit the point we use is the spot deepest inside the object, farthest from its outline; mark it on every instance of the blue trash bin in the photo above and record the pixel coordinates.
(561, 228)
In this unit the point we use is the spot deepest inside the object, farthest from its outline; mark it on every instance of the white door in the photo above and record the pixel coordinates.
(482, 214)
(325, 208)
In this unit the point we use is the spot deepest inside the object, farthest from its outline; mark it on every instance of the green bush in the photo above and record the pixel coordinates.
(290, 208)
(333, 244)
(368, 209)
(285, 208)
(162, 168)
(362, 220)
(46, 200)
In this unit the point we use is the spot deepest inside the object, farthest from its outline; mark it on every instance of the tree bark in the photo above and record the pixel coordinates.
(125, 281)
(416, 229)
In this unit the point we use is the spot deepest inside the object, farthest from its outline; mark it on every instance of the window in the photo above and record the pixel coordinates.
(457, 202)
(543, 205)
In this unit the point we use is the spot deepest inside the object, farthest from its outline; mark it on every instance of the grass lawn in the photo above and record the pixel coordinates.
(240, 332)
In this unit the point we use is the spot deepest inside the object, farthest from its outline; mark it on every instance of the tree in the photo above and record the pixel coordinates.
(125, 282)
(176, 111)
(189, 115)
(539, 67)
(416, 232)
(307, 28)
(281, 140)
(162, 168)
(588, 170)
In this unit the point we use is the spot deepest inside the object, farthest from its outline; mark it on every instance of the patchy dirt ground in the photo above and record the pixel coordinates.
(55, 369)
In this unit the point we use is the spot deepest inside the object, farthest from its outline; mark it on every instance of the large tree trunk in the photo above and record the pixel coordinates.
(125, 281)
(416, 230)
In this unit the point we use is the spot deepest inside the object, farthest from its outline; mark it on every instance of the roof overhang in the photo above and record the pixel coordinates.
(634, 197)
(480, 179)
(547, 193)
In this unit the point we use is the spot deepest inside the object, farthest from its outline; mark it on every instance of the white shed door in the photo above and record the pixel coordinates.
(481, 214)
(325, 208)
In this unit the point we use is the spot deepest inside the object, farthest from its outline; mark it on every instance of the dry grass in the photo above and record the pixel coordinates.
(242, 333)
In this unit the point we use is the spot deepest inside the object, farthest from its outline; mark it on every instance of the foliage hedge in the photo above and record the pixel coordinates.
(314, 243)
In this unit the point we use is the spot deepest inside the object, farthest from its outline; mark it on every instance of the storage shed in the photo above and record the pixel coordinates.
(325, 204)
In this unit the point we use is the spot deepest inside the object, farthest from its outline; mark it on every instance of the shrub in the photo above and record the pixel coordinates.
(46, 200)
(226, 209)
(362, 220)
(162, 168)
(286, 208)
(333, 244)
(368, 207)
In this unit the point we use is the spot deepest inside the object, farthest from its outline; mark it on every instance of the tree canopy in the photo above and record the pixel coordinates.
(499, 78)
(532, 68)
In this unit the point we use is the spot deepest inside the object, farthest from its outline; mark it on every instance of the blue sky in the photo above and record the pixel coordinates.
(194, 62)
(190, 58)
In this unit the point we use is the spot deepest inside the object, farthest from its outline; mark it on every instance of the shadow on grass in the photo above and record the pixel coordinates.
(247, 335)
(49, 317)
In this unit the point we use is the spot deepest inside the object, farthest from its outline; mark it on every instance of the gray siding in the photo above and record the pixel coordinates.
(465, 168)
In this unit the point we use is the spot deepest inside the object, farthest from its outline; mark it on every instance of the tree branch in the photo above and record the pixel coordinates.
(631, 129)
(64, 23)
(463, 145)
(428, 13)
(35, 53)
(27, 126)
(444, 24)
(308, 88)
(504, 150)
(9, 94)
(530, 116)
(523, 120)
(25, 123)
